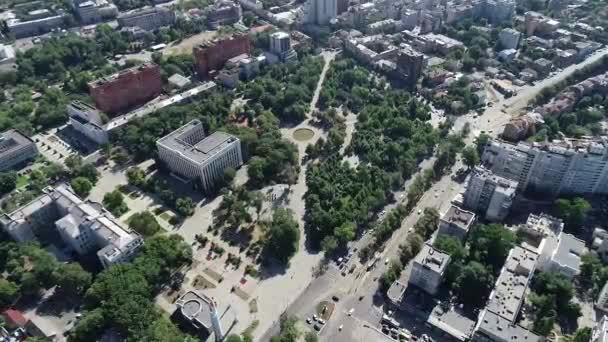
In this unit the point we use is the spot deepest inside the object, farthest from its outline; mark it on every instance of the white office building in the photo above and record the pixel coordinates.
(320, 12)
(87, 120)
(570, 166)
(190, 155)
(84, 226)
(600, 331)
(489, 195)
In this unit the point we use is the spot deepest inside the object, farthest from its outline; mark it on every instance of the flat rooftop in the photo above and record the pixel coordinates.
(452, 322)
(569, 251)
(498, 326)
(510, 287)
(459, 217)
(111, 78)
(432, 259)
(506, 185)
(12, 140)
(198, 151)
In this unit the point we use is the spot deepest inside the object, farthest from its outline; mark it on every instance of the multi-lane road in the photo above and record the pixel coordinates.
(357, 291)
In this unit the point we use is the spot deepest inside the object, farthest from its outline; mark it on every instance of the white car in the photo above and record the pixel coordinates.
(386, 261)
(315, 317)
(340, 327)
(350, 312)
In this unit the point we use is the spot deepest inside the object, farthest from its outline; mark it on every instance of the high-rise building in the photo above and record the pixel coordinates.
(224, 13)
(570, 166)
(428, 269)
(214, 54)
(127, 88)
(15, 149)
(280, 45)
(409, 65)
(190, 155)
(320, 12)
(489, 195)
(84, 226)
(148, 19)
(602, 299)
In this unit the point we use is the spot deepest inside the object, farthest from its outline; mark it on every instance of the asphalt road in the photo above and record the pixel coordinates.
(358, 291)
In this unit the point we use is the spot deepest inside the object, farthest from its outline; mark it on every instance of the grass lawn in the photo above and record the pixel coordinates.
(165, 216)
(22, 181)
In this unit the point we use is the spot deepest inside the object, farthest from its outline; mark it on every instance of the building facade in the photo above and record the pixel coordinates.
(428, 269)
(410, 65)
(94, 11)
(192, 156)
(489, 195)
(127, 88)
(35, 27)
(224, 13)
(15, 149)
(214, 54)
(84, 226)
(600, 330)
(148, 19)
(571, 166)
(87, 120)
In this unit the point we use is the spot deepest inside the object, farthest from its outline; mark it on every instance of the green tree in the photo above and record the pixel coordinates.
(428, 223)
(311, 337)
(89, 327)
(473, 285)
(234, 338)
(81, 186)
(8, 292)
(283, 235)
(329, 244)
(72, 279)
(581, 335)
(136, 176)
(144, 223)
(490, 244)
(470, 156)
(345, 233)
(184, 206)
(573, 212)
(481, 141)
(8, 182)
(114, 202)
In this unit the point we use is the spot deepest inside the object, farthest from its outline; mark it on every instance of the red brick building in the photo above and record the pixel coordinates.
(212, 55)
(127, 88)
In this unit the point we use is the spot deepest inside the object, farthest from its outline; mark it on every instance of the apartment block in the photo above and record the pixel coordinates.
(570, 166)
(214, 54)
(15, 149)
(320, 12)
(489, 195)
(497, 321)
(428, 269)
(127, 88)
(84, 226)
(456, 222)
(148, 19)
(409, 64)
(566, 258)
(87, 120)
(224, 13)
(192, 156)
